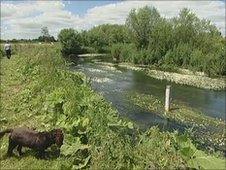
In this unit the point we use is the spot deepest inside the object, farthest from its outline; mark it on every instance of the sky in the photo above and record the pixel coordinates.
(24, 19)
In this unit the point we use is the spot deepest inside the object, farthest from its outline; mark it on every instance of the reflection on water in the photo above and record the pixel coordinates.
(115, 82)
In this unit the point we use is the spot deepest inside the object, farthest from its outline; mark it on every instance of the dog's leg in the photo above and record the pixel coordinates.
(19, 149)
(11, 146)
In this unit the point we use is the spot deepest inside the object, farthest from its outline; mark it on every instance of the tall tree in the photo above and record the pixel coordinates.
(141, 22)
(45, 32)
(45, 37)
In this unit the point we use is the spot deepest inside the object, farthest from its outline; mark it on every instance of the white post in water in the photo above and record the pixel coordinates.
(167, 99)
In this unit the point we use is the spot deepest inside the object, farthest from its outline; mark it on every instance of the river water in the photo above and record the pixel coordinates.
(114, 83)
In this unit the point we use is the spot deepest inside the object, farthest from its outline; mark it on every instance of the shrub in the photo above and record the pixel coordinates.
(180, 55)
(124, 52)
(89, 50)
(116, 51)
(70, 41)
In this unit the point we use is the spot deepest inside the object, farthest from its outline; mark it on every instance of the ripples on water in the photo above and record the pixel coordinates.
(115, 82)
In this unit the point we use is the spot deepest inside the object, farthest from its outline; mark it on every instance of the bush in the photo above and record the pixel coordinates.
(89, 50)
(124, 52)
(196, 60)
(180, 55)
(70, 41)
(215, 64)
(116, 51)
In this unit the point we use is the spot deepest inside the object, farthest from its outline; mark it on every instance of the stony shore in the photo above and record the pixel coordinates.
(183, 76)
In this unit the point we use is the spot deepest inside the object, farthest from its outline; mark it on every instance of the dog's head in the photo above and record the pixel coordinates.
(58, 137)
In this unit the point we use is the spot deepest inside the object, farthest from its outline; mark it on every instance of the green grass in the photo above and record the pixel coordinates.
(37, 90)
(19, 113)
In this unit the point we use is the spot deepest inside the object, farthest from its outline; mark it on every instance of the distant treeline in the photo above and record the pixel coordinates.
(184, 41)
(39, 39)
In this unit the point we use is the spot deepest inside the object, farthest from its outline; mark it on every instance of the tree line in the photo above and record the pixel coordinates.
(184, 41)
(44, 37)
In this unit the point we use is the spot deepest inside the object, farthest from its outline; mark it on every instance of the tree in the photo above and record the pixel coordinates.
(45, 36)
(161, 37)
(140, 23)
(105, 35)
(45, 32)
(70, 41)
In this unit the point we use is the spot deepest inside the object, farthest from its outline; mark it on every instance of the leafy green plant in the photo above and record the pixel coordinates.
(195, 158)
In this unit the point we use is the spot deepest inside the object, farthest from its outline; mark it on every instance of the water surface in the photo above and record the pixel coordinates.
(115, 82)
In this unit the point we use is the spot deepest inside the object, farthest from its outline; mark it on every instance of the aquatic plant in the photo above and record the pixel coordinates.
(208, 131)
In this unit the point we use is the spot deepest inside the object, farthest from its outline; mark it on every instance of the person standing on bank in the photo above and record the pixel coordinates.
(7, 48)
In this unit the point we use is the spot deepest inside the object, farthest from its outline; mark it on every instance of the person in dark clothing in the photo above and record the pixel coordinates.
(7, 48)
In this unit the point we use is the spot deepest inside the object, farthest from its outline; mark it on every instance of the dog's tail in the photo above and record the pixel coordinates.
(2, 133)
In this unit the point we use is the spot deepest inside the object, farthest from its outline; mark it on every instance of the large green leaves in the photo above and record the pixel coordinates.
(72, 146)
(196, 158)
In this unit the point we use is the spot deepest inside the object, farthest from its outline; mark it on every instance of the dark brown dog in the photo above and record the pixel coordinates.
(39, 141)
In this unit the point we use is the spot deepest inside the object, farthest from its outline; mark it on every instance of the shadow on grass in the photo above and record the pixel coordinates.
(48, 155)
(174, 108)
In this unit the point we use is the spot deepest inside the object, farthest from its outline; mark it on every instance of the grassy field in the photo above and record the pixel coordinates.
(37, 90)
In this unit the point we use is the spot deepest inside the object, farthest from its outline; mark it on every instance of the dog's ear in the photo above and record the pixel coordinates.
(59, 137)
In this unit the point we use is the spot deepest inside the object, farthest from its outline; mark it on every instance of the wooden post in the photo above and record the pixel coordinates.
(167, 99)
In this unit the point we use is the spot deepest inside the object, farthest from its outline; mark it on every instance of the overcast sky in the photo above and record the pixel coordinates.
(24, 19)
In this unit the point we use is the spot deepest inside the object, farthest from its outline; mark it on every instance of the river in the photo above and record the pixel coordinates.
(114, 83)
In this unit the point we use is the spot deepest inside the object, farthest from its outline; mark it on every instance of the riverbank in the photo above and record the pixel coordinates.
(206, 130)
(91, 55)
(38, 91)
(200, 81)
(182, 76)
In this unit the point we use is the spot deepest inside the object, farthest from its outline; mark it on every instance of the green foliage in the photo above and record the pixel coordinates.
(103, 36)
(184, 41)
(206, 129)
(45, 36)
(49, 96)
(180, 55)
(141, 24)
(195, 158)
(116, 51)
(70, 41)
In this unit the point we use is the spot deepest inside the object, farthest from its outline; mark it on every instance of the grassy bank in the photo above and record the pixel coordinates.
(206, 130)
(37, 90)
